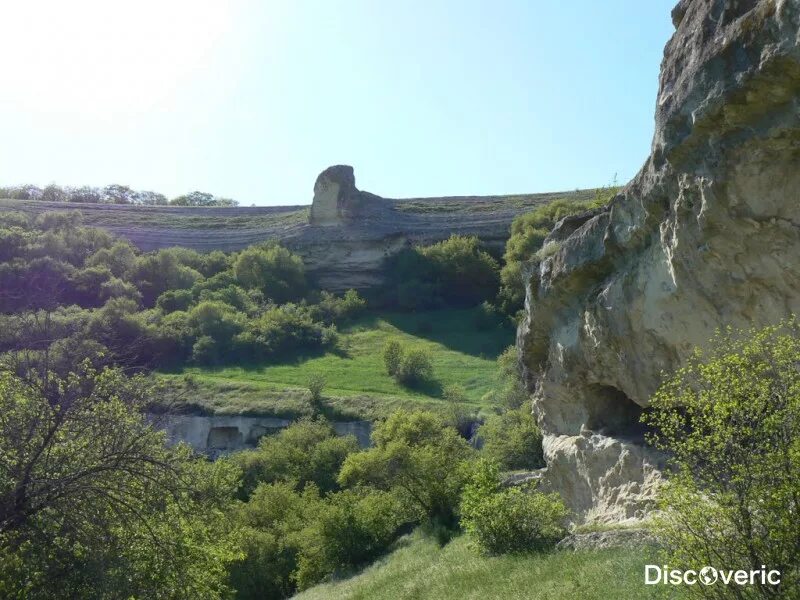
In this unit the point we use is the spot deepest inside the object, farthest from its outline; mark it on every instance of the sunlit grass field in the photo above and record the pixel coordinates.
(357, 381)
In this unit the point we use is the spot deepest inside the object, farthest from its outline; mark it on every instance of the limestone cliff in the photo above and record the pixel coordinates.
(706, 235)
(343, 237)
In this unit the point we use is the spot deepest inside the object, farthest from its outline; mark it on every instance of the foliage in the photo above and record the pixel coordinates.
(111, 194)
(730, 420)
(417, 455)
(454, 272)
(316, 384)
(202, 199)
(350, 528)
(278, 273)
(415, 368)
(528, 232)
(509, 520)
(392, 357)
(308, 451)
(92, 503)
(513, 439)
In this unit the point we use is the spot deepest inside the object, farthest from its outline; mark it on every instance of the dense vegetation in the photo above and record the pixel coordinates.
(94, 504)
(76, 290)
(731, 422)
(78, 305)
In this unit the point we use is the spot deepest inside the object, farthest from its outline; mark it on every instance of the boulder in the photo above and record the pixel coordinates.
(706, 235)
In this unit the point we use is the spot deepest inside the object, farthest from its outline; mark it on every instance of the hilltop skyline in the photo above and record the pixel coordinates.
(251, 100)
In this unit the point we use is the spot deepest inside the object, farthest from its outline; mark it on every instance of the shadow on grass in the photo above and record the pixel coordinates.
(456, 329)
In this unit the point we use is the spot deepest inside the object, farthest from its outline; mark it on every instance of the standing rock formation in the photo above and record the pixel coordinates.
(335, 196)
(705, 236)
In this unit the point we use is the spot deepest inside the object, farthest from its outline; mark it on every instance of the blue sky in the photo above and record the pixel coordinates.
(251, 99)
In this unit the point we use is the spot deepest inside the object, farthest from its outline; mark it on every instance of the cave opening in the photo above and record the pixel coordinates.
(613, 413)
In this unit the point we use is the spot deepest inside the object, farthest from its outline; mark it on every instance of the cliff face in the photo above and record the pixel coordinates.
(706, 235)
(342, 239)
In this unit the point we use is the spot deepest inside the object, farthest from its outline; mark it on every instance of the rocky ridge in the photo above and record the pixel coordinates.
(343, 237)
(705, 236)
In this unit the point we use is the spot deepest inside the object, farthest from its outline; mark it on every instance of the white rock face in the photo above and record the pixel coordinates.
(335, 194)
(217, 435)
(707, 235)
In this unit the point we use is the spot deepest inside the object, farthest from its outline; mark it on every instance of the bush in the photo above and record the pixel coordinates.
(528, 232)
(513, 439)
(350, 529)
(510, 520)
(316, 384)
(419, 457)
(415, 368)
(278, 273)
(454, 272)
(308, 451)
(454, 393)
(392, 357)
(730, 421)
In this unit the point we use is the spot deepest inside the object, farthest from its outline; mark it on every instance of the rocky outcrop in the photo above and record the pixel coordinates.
(337, 201)
(706, 235)
(217, 435)
(344, 238)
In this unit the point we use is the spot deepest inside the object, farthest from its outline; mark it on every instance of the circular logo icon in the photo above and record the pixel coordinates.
(708, 575)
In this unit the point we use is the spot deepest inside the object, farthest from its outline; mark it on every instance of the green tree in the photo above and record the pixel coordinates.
(308, 451)
(510, 520)
(415, 367)
(316, 385)
(513, 439)
(278, 273)
(92, 502)
(417, 455)
(392, 357)
(730, 421)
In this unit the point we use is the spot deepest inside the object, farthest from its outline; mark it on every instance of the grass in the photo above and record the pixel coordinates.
(418, 569)
(170, 217)
(357, 382)
(479, 204)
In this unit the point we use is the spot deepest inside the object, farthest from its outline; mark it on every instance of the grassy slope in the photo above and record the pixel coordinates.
(418, 570)
(357, 381)
(168, 218)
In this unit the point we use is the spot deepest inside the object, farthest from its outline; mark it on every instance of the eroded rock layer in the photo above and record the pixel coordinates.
(706, 235)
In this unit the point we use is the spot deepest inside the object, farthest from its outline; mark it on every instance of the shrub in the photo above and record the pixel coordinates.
(205, 351)
(486, 317)
(510, 520)
(278, 273)
(511, 392)
(392, 357)
(528, 232)
(454, 393)
(513, 439)
(306, 451)
(350, 529)
(455, 272)
(415, 368)
(730, 421)
(419, 457)
(316, 384)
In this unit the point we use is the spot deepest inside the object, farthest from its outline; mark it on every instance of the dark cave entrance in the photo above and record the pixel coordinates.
(612, 413)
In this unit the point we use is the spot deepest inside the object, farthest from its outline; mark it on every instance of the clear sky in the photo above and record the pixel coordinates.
(251, 99)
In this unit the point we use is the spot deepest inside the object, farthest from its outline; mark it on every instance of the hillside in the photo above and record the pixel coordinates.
(357, 383)
(341, 252)
(418, 569)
